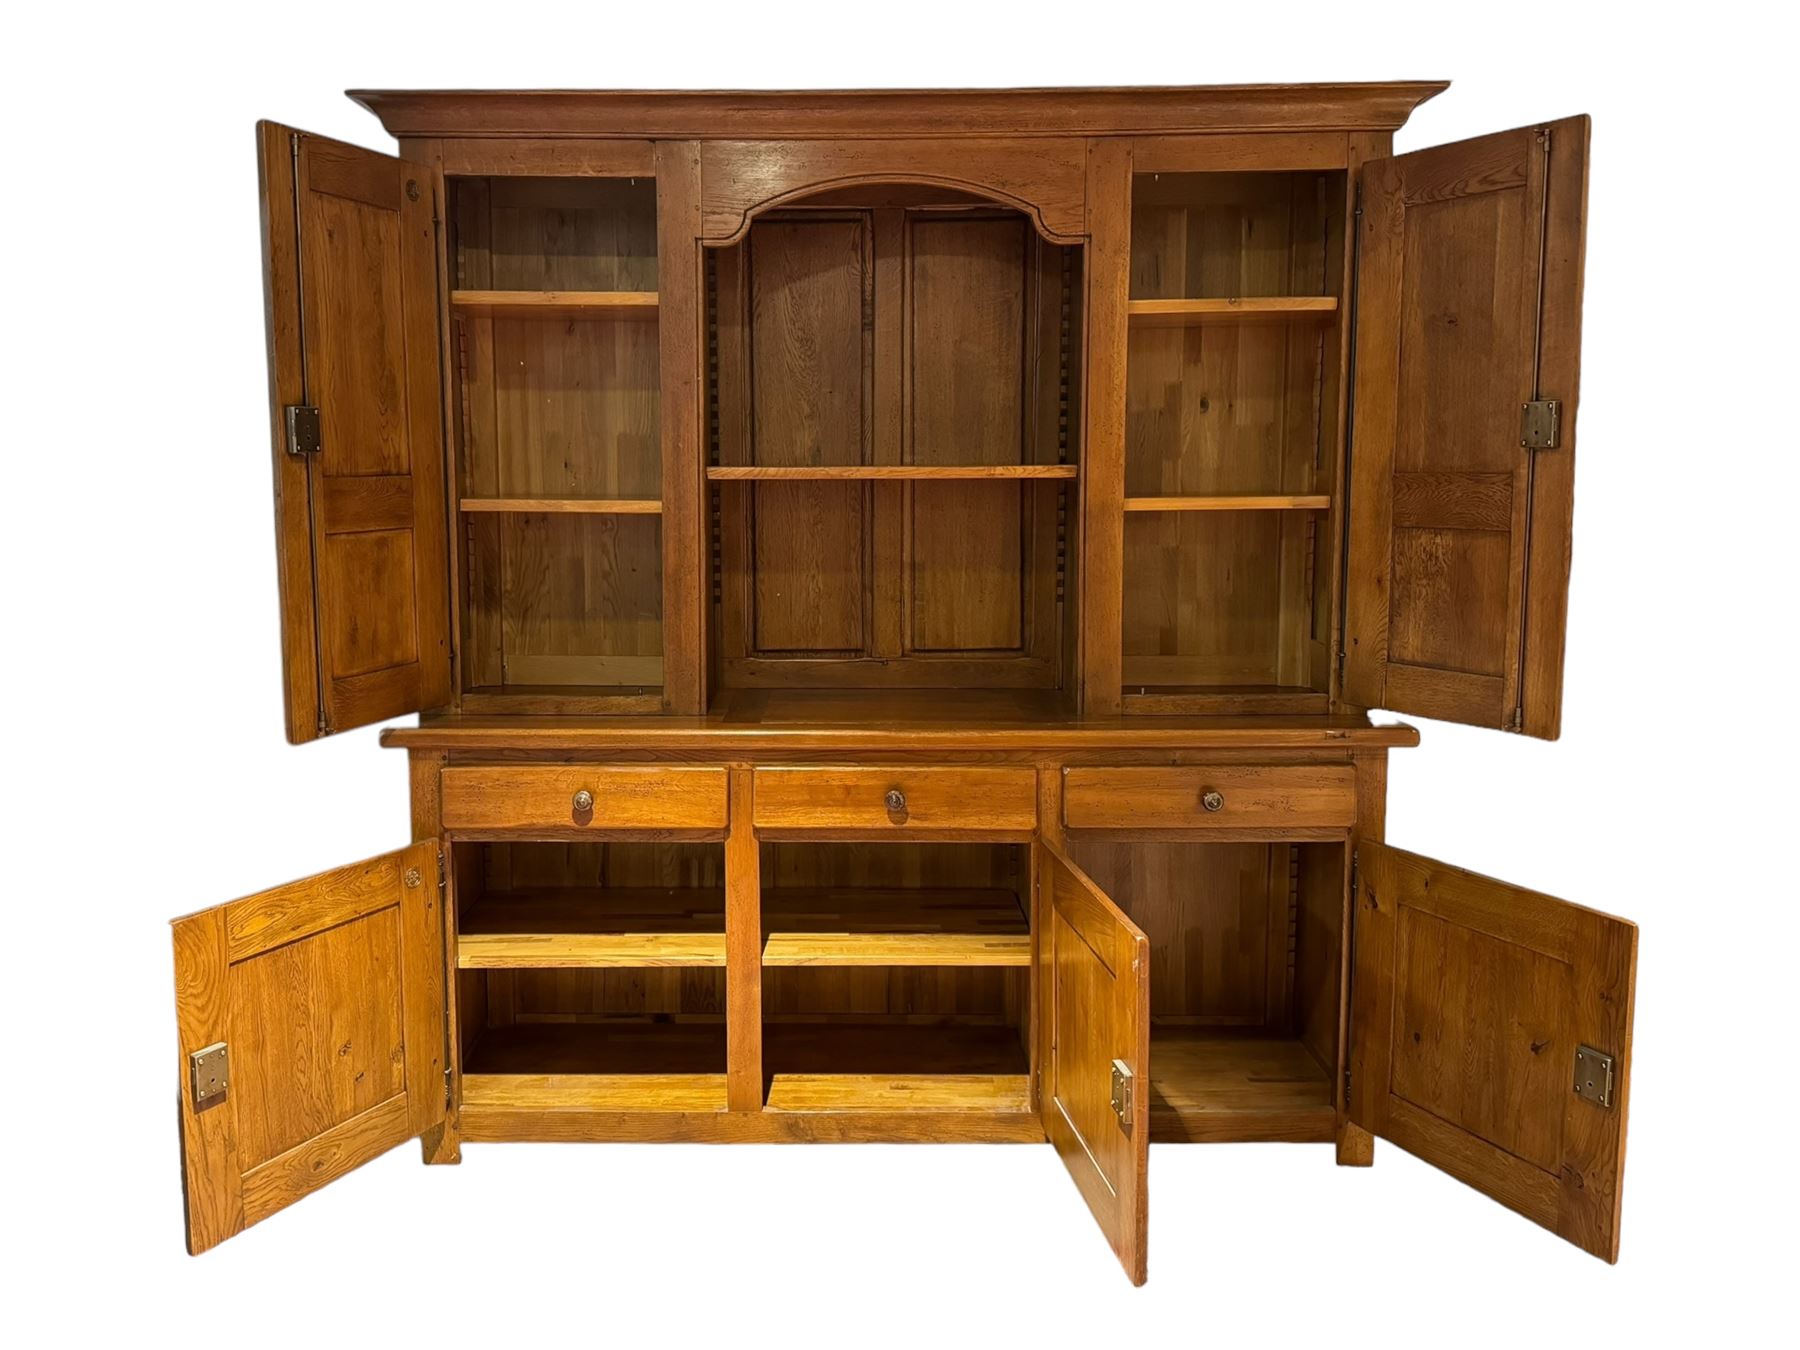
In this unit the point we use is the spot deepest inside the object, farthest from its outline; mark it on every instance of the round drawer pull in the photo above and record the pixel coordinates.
(895, 799)
(1212, 799)
(584, 802)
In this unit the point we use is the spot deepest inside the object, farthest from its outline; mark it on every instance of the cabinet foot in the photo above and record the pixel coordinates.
(1355, 1145)
(442, 1144)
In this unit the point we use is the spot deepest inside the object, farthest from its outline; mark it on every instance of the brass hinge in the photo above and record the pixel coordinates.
(1355, 872)
(302, 429)
(1540, 423)
(1122, 1080)
(1594, 1075)
(210, 1072)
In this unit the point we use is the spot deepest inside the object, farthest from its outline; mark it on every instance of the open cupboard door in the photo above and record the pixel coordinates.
(312, 1035)
(1468, 345)
(350, 280)
(1491, 1036)
(1095, 1101)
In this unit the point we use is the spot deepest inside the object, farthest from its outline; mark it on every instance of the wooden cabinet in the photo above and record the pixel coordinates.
(893, 584)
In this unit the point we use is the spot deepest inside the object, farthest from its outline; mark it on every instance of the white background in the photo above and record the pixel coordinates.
(146, 773)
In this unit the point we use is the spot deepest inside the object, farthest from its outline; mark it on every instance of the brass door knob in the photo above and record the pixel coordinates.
(584, 801)
(895, 799)
(1212, 799)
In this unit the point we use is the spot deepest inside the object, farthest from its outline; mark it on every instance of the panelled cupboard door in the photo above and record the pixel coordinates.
(1095, 1101)
(312, 1025)
(1491, 1036)
(1468, 344)
(350, 279)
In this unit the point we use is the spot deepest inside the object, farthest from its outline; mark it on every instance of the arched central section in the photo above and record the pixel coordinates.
(917, 188)
(895, 439)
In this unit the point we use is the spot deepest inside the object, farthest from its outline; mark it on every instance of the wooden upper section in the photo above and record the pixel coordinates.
(859, 113)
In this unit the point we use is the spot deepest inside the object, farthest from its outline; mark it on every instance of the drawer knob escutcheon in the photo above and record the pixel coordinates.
(1212, 799)
(895, 799)
(584, 801)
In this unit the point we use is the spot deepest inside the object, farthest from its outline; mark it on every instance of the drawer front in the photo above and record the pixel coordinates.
(574, 797)
(899, 799)
(1226, 796)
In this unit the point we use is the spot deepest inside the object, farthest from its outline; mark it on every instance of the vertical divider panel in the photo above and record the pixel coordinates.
(743, 950)
(681, 340)
(1103, 462)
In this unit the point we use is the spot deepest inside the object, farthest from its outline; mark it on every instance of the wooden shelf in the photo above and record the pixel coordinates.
(1257, 309)
(884, 472)
(850, 1066)
(1209, 1087)
(593, 929)
(863, 927)
(850, 1092)
(556, 304)
(597, 506)
(1232, 503)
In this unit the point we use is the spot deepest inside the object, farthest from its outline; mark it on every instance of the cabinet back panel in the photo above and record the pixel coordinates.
(1229, 235)
(556, 234)
(560, 408)
(567, 599)
(1219, 598)
(1221, 924)
(1218, 409)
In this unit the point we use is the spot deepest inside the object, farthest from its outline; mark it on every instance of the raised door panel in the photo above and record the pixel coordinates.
(1468, 309)
(351, 287)
(1097, 996)
(317, 1013)
(1481, 1014)
(965, 399)
(810, 331)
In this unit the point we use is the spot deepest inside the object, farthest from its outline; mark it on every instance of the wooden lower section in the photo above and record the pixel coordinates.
(1207, 1088)
(485, 1123)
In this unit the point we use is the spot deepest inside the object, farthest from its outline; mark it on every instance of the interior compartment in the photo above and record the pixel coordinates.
(1233, 375)
(894, 446)
(1246, 981)
(559, 459)
(896, 976)
(600, 962)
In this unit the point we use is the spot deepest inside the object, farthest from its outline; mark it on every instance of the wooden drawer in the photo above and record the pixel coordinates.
(550, 797)
(930, 799)
(1227, 796)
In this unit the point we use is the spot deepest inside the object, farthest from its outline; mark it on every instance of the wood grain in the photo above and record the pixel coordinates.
(330, 1002)
(501, 798)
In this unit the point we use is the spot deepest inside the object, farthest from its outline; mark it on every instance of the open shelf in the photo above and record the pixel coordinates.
(1260, 309)
(849, 1066)
(1211, 1087)
(1229, 503)
(854, 926)
(556, 304)
(618, 1065)
(805, 473)
(568, 506)
(594, 929)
